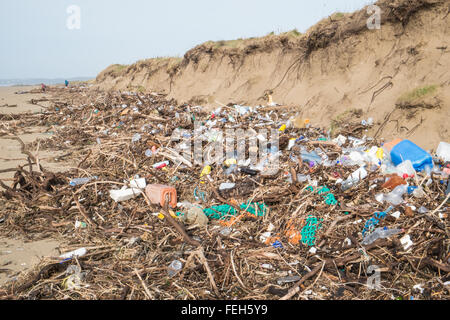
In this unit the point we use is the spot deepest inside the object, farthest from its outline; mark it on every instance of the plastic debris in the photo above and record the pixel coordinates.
(78, 253)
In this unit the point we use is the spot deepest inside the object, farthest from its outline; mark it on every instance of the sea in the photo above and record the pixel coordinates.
(38, 81)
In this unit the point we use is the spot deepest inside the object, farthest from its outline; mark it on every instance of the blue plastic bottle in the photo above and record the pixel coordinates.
(407, 150)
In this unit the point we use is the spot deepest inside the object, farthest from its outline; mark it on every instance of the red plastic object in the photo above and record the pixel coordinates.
(157, 194)
(161, 166)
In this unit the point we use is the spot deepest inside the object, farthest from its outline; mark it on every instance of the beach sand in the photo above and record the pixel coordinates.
(15, 254)
(10, 152)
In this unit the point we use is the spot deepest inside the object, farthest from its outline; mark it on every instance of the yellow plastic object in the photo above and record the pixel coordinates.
(282, 128)
(380, 153)
(161, 216)
(206, 170)
(229, 162)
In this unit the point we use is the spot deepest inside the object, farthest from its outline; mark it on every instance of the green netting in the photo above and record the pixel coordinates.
(221, 212)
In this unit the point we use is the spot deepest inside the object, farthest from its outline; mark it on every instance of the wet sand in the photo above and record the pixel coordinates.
(15, 254)
(10, 152)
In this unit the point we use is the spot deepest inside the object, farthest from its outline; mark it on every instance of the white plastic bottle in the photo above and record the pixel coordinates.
(380, 233)
(354, 178)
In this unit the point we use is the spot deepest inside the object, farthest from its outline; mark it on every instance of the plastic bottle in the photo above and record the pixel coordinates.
(303, 178)
(160, 165)
(340, 140)
(311, 156)
(80, 181)
(79, 253)
(405, 167)
(411, 189)
(249, 171)
(422, 210)
(136, 137)
(354, 178)
(395, 196)
(443, 151)
(418, 192)
(174, 267)
(380, 233)
(231, 169)
(148, 153)
(288, 279)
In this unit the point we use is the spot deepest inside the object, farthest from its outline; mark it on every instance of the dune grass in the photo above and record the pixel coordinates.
(417, 94)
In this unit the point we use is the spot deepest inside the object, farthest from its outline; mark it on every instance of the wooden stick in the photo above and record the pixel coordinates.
(147, 292)
(201, 255)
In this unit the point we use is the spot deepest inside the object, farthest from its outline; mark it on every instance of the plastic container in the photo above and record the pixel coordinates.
(311, 156)
(138, 183)
(405, 167)
(124, 194)
(232, 169)
(443, 151)
(79, 253)
(288, 279)
(157, 194)
(136, 137)
(226, 186)
(418, 192)
(160, 165)
(80, 181)
(249, 171)
(407, 150)
(395, 197)
(358, 175)
(174, 267)
(391, 144)
(380, 233)
(354, 178)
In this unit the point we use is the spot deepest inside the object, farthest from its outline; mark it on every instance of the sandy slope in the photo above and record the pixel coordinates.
(337, 66)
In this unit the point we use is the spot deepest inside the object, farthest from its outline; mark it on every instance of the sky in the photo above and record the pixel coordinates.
(46, 39)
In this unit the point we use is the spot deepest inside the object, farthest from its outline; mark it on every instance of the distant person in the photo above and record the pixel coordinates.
(43, 87)
(66, 83)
